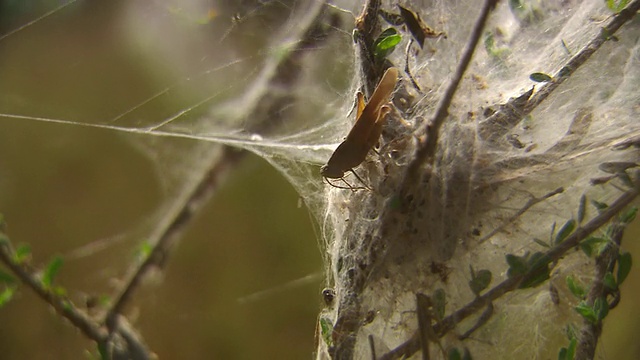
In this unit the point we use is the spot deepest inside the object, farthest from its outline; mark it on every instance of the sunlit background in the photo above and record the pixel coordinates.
(227, 292)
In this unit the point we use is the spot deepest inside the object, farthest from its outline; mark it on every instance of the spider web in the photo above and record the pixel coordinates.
(207, 68)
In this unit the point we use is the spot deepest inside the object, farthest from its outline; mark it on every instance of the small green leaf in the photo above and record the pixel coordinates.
(575, 288)
(562, 354)
(51, 271)
(628, 216)
(599, 205)
(59, 291)
(609, 281)
(540, 263)
(582, 208)
(517, 265)
(565, 231)
(22, 254)
(568, 353)
(144, 250)
(103, 351)
(586, 312)
(624, 267)
(6, 278)
(617, 5)
(386, 43)
(439, 302)
(541, 243)
(571, 331)
(593, 246)
(6, 295)
(480, 281)
(454, 354)
(326, 329)
(540, 77)
(601, 308)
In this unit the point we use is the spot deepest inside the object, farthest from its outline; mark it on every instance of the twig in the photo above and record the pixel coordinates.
(412, 345)
(125, 344)
(514, 217)
(161, 249)
(498, 123)
(64, 307)
(590, 332)
(281, 72)
(581, 57)
(427, 149)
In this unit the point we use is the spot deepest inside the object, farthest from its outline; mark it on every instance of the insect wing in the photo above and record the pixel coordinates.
(365, 123)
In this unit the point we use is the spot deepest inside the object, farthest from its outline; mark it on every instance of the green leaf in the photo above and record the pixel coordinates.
(562, 354)
(599, 205)
(609, 281)
(539, 262)
(628, 216)
(565, 231)
(385, 43)
(540, 77)
(144, 250)
(7, 278)
(617, 5)
(575, 288)
(480, 281)
(326, 329)
(454, 354)
(571, 331)
(570, 352)
(593, 246)
(624, 267)
(601, 308)
(586, 312)
(6, 295)
(59, 291)
(582, 208)
(541, 243)
(51, 271)
(103, 352)
(439, 302)
(22, 253)
(517, 265)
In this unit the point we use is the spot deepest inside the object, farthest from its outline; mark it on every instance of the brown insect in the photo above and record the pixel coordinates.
(365, 132)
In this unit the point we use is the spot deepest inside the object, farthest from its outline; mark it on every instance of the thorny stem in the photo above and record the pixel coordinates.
(427, 149)
(412, 345)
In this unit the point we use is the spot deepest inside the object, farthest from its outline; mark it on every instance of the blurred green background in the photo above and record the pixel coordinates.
(64, 186)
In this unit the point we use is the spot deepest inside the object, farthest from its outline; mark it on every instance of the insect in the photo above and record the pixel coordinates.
(365, 132)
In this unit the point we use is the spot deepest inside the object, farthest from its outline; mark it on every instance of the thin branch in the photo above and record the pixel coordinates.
(158, 255)
(64, 307)
(412, 345)
(514, 217)
(581, 57)
(508, 115)
(590, 332)
(427, 149)
(281, 72)
(127, 344)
